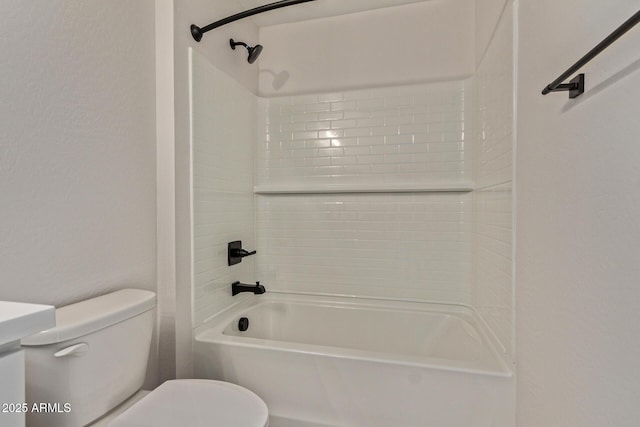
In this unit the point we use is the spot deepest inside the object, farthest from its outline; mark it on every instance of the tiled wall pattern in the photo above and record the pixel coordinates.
(493, 169)
(493, 112)
(493, 289)
(415, 246)
(223, 200)
(406, 134)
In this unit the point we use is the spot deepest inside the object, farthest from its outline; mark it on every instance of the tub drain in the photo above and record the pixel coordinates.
(243, 324)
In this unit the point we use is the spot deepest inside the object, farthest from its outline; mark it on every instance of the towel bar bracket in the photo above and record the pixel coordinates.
(575, 87)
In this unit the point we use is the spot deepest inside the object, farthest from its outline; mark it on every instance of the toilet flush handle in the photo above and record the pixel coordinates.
(74, 350)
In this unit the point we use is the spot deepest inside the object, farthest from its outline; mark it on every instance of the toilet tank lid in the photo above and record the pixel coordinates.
(85, 317)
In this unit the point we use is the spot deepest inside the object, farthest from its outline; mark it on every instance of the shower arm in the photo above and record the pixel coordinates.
(234, 43)
(197, 32)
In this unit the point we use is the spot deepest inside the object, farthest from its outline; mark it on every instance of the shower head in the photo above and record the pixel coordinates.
(254, 51)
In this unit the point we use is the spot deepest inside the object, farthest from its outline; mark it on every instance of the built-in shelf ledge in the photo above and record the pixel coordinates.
(343, 188)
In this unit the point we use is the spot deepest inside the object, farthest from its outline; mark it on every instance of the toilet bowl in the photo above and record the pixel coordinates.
(96, 358)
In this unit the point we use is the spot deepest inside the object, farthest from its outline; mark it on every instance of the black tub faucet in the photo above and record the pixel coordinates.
(237, 287)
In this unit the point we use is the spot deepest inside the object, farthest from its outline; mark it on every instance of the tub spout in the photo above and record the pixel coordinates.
(237, 287)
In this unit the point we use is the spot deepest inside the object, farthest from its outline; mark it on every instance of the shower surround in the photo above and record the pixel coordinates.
(400, 224)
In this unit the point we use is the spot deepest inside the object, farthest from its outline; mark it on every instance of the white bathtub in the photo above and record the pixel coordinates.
(359, 362)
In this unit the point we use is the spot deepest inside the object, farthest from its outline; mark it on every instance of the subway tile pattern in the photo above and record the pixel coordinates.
(414, 134)
(493, 169)
(493, 145)
(413, 246)
(223, 200)
(492, 252)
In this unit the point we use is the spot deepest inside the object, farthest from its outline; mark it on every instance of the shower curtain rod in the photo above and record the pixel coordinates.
(576, 85)
(197, 32)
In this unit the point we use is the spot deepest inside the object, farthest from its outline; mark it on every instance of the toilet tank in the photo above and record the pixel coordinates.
(94, 359)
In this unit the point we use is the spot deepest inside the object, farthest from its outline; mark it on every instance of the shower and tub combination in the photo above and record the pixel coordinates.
(382, 255)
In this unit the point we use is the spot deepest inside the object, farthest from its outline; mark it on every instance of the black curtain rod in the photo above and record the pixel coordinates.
(197, 32)
(576, 85)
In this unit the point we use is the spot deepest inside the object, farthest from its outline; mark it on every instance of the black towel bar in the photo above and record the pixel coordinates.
(576, 85)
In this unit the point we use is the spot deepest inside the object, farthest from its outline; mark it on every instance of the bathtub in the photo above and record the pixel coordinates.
(351, 362)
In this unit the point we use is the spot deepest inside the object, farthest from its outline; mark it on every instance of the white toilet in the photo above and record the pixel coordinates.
(96, 358)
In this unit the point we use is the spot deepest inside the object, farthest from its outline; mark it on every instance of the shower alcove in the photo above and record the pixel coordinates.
(376, 176)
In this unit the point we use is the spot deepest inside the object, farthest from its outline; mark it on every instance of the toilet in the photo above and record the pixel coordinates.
(95, 359)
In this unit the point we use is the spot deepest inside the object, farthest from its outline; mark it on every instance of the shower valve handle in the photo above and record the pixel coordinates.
(241, 253)
(235, 253)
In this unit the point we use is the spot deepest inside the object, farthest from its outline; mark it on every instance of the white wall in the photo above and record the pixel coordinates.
(77, 149)
(578, 228)
(165, 195)
(493, 175)
(223, 200)
(383, 47)
(493, 147)
(215, 47)
(488, 13)
(215, 44)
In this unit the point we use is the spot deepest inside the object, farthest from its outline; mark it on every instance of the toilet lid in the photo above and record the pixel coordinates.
(196, 403)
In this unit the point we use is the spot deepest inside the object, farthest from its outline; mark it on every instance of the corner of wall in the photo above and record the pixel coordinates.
(493, 176)
(487, 16)
(165, 178)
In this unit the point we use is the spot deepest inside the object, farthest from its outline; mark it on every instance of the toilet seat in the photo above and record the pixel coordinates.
(196, 403)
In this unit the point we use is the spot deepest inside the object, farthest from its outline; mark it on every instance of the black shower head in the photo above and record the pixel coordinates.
(254, 51)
